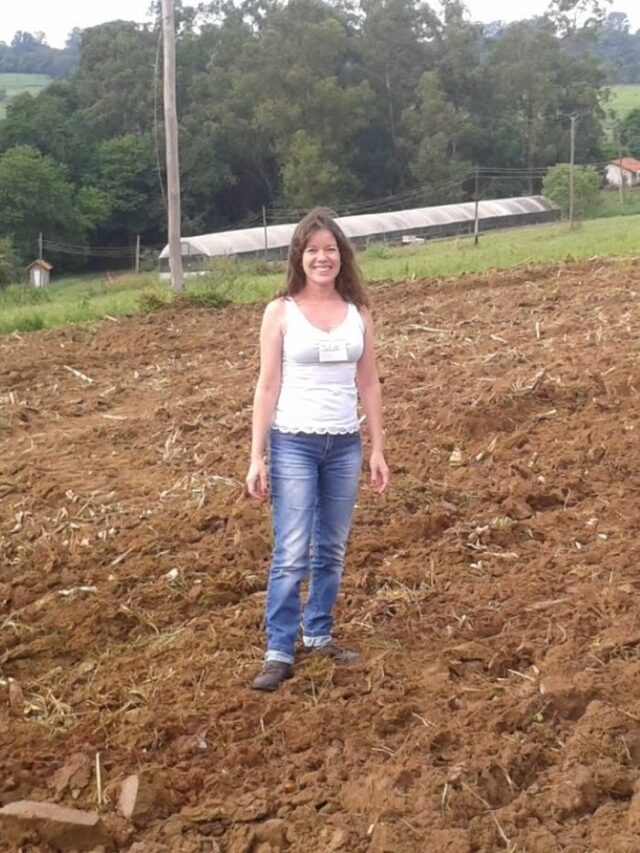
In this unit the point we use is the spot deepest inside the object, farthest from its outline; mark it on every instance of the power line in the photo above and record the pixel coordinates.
(286, 215)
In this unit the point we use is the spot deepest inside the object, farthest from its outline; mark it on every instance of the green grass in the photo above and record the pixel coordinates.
(611, 204)
(16, 84)
(505, 249)
(624, 99)
(24, 308)
(90, 299)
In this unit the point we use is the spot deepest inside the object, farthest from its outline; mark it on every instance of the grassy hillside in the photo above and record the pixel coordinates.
(16, 84)
(624, 99)
(78, 300)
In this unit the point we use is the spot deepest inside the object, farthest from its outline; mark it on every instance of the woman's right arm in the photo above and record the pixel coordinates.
(266, 396)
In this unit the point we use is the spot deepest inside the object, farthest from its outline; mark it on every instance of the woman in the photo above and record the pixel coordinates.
(316, 354)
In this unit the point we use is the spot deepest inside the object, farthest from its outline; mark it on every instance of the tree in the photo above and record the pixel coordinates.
(291, 80)
(586, 187)
(311, 177)
(115, 79)
(8, 262)
(617, 49)
(570, 16)
(630, 133)
(29, 53)
(432, 129)
(127, 177)
(37, 196)
(42, 122)
(392, 47)
(533, 84)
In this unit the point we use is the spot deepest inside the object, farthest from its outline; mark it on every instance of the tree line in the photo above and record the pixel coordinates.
(29, 53)
(283, 105)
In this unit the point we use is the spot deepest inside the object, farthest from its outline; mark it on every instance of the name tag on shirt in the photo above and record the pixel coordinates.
(333, 351)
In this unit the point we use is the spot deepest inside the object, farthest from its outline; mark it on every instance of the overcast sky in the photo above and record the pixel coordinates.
(56, 20)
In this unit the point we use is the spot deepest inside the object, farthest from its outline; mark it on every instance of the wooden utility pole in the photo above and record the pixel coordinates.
(476, 218)
(40, 242)
(171, 136)
(572, 158)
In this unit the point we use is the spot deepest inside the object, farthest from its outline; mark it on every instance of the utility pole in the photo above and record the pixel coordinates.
(40, 244)
(620, 168)
(266, 239)
(137, 253)
(572, 158)
(171, 136)
(476, 219)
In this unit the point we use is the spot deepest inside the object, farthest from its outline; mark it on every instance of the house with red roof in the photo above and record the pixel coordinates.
(623, 172)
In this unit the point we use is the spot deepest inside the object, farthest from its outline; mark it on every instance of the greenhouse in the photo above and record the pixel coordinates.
(398, 226)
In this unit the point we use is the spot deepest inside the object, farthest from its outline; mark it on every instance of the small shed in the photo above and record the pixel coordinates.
(623, 172)
(39, 273)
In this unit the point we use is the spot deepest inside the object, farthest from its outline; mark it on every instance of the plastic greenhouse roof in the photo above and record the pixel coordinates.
(250, 240)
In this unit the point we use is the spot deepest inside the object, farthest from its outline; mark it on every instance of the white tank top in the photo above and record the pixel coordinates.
(318, 391)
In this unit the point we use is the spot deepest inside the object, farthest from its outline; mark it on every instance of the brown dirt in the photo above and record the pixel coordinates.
(492, 592)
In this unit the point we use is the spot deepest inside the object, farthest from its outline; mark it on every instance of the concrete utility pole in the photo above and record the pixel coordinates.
(266, 233)
(171, 136)
(572, 158)
(476, 217)
(137, 260)
(621, 188)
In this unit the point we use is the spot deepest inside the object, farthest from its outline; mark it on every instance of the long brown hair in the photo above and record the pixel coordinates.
(349, 281)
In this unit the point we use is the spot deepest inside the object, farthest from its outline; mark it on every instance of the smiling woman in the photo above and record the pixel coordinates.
(316, 356)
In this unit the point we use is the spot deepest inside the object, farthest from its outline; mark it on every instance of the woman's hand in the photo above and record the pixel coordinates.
(257, 484)
(379, 472)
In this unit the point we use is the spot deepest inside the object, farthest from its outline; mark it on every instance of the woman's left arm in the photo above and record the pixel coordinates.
(371, 398)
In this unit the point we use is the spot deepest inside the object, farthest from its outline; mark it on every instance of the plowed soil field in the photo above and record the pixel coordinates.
(493, 592)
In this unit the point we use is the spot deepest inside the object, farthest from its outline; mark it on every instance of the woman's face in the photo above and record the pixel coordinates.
(321, 258)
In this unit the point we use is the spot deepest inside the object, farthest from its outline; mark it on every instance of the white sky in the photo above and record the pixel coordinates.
(56, 20)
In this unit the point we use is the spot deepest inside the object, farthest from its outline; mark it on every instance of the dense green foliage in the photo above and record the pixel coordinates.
(288, 104)
(618, 49)
(630, 132)
(586, 189)
(8, 262)
(28, 53)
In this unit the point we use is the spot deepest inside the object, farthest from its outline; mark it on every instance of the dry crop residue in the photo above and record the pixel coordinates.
(493, 592)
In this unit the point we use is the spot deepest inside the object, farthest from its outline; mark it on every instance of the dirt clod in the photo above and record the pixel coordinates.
(63, 828)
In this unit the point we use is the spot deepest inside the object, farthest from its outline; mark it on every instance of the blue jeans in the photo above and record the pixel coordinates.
(314, 482)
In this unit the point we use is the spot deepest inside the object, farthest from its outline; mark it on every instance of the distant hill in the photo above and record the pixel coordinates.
(15, 84)
(624, 99)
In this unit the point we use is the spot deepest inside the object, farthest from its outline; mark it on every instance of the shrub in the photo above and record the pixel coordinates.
(210, 297)
(8, 262)
(586, 189)
(376, 250)
(154, 298)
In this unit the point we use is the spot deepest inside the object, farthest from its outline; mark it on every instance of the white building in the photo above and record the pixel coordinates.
(623, 172)
(399, 226)
(39, 273)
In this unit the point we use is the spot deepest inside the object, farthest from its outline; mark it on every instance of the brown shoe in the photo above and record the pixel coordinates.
(337, 653)
(274, 672)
